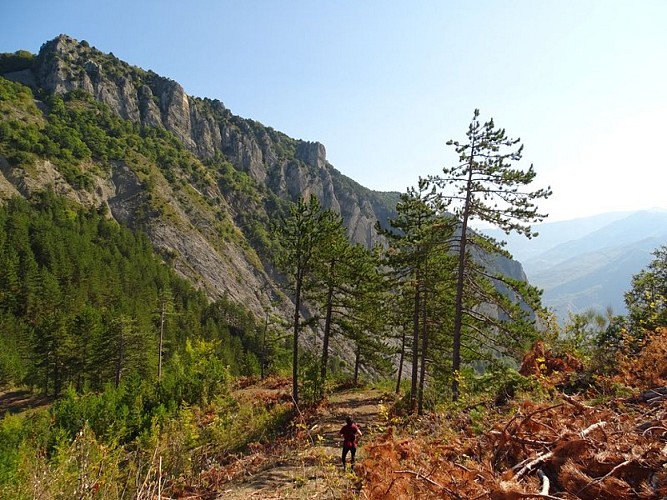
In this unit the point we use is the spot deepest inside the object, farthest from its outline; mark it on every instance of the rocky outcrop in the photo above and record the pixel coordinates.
(196, 219)
(292, 168)
(312, 153)
(45, 175)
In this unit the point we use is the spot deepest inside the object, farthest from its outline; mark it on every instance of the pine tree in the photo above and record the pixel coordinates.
(301, 236)
(165, 311)
(485, 186)
(422, 237)
(332, 257)
(86, 329)
(363, 317)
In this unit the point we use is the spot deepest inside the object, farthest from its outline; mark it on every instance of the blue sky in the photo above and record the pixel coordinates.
(384, 84)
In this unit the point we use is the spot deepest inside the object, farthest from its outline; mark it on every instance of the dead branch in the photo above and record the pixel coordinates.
(532, 442)
(576, 403)
(540, 410)
(650, 396)
(591, 428)
(517, 495)
(654, 428)
(608, 474)
(461, 466)
(539, 495)
(506, 433)
(547, 455)
(303, 419)
(391, 485)
(419, 475)
(543, 457)
(545, 482)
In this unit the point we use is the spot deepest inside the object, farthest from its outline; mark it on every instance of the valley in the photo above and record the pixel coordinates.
(589, 263)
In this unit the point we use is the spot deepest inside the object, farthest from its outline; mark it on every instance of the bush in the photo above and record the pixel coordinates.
(12, 434)
(195, 376)
(648, 369)
(18, 61)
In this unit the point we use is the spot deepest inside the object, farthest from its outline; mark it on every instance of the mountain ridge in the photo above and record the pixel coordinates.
(204, 184)
(242, 172)
(591, 261)
(290, 167)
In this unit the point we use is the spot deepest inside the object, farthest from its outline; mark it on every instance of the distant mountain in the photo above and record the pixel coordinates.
(552, 234)
(589, 262)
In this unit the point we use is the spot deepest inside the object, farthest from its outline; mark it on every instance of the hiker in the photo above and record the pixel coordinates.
(350, 431)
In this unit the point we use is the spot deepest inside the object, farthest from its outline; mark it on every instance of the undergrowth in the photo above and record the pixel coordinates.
(44, 455)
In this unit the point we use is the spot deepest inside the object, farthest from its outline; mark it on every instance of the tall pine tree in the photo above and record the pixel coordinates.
(485, 186)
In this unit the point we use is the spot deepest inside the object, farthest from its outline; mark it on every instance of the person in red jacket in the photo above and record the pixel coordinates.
(349, 431)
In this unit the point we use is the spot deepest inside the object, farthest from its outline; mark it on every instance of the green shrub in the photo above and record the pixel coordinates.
(196, 375)
(12, 434)
(18, 61)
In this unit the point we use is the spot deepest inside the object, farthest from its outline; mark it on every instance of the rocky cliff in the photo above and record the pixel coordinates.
(204, 215)
(201, 221)
(289, 167)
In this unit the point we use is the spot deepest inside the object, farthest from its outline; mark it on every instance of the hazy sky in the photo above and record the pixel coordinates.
(384, 84)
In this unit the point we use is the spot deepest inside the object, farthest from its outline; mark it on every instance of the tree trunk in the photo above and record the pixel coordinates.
(357, 362)
(295, 344)
(57, 376)
(415, 346)
(327, 326)
(422, 374)
(47, 373)
(159, 355)
(458, 305)
(121, 354)
(263, 363)
(400, 363)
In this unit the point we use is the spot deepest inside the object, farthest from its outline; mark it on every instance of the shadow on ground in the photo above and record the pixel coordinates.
(21, 400)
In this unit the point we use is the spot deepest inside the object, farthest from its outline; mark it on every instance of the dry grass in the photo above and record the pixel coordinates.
(563, 449)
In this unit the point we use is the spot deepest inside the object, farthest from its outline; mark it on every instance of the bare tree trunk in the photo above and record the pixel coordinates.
(159, 354)
(295, 344)
(119, 361)
(400, 363)
(415, 345)
(422, 374)
(458, 305)
(263, 363)
(357, 362)
(327, 325)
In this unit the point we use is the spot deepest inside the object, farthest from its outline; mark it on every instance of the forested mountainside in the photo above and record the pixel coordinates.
(83, 298)
(200, 181)
(205, 186)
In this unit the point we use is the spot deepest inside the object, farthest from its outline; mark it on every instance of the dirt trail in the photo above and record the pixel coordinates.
(315, 471)
(19, 400)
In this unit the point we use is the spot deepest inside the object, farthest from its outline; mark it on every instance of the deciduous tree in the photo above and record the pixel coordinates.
(647, 299)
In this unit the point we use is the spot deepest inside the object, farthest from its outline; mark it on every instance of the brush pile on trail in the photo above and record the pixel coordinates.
(565, 448)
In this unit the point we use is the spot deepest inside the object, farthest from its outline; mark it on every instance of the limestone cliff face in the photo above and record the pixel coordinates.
(289, 167)
(200, 230)
(199, 234)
